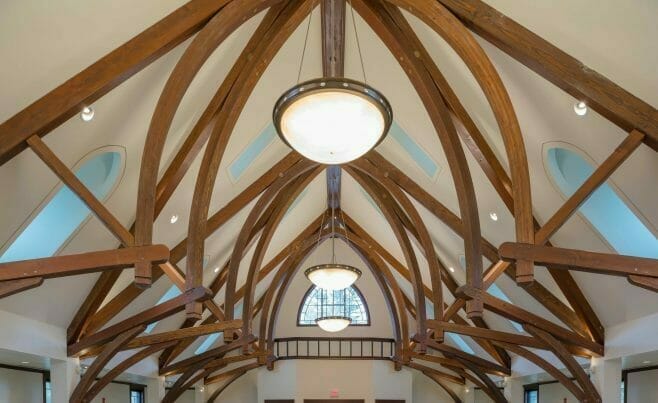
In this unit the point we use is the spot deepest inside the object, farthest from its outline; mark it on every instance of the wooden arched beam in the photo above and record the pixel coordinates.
(180, 386)
(376, 263)
(546, 366)
(495, 172)
(444, 23)
(455, 398)
(291, 16)
(536, 290)
(239, 248)
(490, 387)
(498, 177)
(99, 363)
(282, 276)
(383, 201)
(379, 20)
(168, 355)
(130, 292)
(226, 384)
(123, 366)
(210, 37)
(220, 278)
(228, 19)
(498, 353)
(393, 304)
(203, 127)
(279, 212)
(416, 222)
(561, 352)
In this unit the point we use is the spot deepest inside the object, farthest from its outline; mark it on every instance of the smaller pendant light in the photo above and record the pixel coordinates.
(333, 276)
(333, 316)
(333, 324)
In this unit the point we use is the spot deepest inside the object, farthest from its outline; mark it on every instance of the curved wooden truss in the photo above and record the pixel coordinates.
(212, 21)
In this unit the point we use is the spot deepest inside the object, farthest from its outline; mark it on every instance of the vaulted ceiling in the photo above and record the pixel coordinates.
(477, 102)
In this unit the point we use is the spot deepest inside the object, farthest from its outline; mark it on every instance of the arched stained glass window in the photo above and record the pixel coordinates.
(605, 209)
(316, 298)
(62, 212)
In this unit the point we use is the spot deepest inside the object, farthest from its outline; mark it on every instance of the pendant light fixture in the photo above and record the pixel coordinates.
(333, 311)
(332, 120)
(333, 276)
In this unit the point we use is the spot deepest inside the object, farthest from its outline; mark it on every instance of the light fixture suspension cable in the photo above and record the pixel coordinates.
(333, 227)
(358, 43)
(301, 62)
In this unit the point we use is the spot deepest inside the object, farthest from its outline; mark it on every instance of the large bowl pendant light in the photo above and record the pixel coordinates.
(332, 276)
(332, 120)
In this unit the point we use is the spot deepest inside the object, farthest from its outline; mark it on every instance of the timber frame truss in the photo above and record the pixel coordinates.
(211, 22)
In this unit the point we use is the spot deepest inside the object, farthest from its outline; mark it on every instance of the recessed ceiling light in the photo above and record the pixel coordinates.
(493, 216)
(580, 108)
(173, 219)
(25, 362)
(646, 362)
(87, 114)
(452, 269)
(216, 270)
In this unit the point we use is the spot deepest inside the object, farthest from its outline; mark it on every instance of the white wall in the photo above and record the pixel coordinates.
(20, 386)
(555, 392)
(114, 393)
(642, 386)
(188, 397)
(482, 397)
(280, 383)
(427, 391)
(243, 390)
(316, 379)
(31, 336)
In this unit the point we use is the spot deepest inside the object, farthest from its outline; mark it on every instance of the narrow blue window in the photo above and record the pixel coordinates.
(209, 341)
(458, 340)
(240, 165)
(604, 209)
(416, 152)
(172, 292)
(59, 218)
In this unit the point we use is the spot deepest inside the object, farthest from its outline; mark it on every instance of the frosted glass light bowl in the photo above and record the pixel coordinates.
(333, 324)
(332, 276)
(332, 121)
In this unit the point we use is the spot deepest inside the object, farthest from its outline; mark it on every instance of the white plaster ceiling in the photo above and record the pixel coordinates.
(42, 43)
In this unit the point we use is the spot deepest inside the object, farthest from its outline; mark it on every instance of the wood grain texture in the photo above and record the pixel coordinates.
(69, 265)
(566, 72)
(146, 317)
(379, 16)
(84, 88)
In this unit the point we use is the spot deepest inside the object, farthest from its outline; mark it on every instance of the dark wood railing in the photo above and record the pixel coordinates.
(334, 348)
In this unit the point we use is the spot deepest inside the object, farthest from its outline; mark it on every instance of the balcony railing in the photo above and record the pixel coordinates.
(334, 348)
